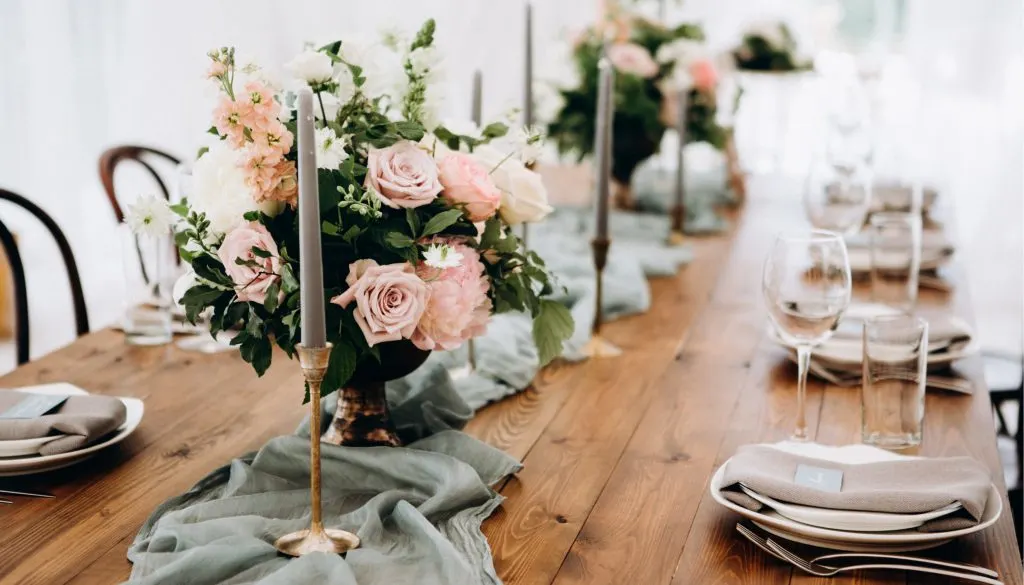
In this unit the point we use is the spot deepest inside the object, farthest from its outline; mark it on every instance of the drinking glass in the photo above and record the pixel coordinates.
(895, 371)
(146, 260)
(806, 285)
(895, 241)
(837, 200)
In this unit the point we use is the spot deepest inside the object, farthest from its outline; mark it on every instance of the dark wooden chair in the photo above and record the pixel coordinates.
(1005, 377)
(10, 246)
(142, 155)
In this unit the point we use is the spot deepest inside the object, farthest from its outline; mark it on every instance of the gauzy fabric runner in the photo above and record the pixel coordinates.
(418, 509)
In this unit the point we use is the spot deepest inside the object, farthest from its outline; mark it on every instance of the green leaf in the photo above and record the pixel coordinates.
(288, 281)
(399, 240)
(409, 130)
(180, 209)
(551, 326)
(329, 228)
(256, 350)
(201, 152)
(273, 294)
(352, 233)
(210, 269)
(260, 252)
(253, 215)
(213, 130)
(492, 233)
(439, 222)
(495, 130)
(413, 219)
(340, 367)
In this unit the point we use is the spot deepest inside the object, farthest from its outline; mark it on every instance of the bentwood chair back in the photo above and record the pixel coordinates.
(10, 247)
(141, 155)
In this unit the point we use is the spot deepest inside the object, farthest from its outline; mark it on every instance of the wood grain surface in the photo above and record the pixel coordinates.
(617, 452)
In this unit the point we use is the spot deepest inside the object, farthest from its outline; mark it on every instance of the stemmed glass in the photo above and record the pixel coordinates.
(806, 285)
(837, 198)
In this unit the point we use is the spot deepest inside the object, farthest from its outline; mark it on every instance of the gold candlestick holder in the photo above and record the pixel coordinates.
(598, 346)
(676, 237)
(316, 538)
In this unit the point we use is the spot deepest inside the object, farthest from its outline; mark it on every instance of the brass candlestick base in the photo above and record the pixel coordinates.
(599, 347)
(675, 238)
(313, 361)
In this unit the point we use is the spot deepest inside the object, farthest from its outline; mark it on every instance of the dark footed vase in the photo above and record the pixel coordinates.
(362, 418)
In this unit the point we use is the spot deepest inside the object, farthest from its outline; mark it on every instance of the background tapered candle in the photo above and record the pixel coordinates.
(478, 98)
(311, 271)
(602, 145)
(528, 69)
(680, 192)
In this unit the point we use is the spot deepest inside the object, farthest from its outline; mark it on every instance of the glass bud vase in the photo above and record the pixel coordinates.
(148, 276)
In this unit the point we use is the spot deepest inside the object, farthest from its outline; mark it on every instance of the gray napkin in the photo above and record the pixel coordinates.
(910, 486)
(80, 420)
(943, 330)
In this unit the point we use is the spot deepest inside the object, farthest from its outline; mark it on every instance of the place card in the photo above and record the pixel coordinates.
(819, 478)
(33, 406)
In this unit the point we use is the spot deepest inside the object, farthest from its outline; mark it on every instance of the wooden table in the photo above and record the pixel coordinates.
(617, 452)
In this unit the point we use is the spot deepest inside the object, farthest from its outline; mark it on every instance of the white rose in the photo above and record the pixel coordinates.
(523, 196)
(219, 190)
(311, 66)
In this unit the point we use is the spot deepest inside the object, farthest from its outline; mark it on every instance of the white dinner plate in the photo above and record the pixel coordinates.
(26, 465)
(848, 540)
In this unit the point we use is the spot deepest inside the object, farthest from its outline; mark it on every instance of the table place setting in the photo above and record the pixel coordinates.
(51, 426)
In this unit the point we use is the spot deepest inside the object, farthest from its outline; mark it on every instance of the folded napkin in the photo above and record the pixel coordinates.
(906, 486)
(943, 330)
(79, 420)
(935, 250)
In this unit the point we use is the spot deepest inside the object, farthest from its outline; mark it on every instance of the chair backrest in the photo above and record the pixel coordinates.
(141, 155)
(10, 247)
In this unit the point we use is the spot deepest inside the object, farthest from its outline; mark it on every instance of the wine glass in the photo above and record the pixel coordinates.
(837, 198)
(806, 285)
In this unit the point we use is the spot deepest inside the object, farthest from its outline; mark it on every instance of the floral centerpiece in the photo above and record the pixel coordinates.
(417, 250)
(769, 47)
(653, 64)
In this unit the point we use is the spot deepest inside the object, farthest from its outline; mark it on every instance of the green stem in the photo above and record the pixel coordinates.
(322, 109)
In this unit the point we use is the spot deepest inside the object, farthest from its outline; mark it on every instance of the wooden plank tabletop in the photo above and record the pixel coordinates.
(617, 452)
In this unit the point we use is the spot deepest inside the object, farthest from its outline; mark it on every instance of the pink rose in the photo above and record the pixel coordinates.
(403, 175)
(390, 299)
(633, 59)
(468, 184)
(253, 278)
(705, 78)
(458, 308)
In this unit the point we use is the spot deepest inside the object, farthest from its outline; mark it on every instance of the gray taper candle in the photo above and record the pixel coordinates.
(602, 145)
(528, 69)
(478, 98)
(311, 271)
(681, 130)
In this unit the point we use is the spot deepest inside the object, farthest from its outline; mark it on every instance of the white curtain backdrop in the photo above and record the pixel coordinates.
(79, 76)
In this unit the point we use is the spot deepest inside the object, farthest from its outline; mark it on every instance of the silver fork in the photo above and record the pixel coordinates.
(815, 568)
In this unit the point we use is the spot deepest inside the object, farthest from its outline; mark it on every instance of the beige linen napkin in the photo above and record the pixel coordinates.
(80, 420)
(908, 486)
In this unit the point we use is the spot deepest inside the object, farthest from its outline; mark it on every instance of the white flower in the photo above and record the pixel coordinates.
(525, 143)
(523, 195)
(331, 105)
(442, 256)
(149, 216)
(432, 105)
(425, 61)
(680, 50)
(394, 37)
(381, 66)
(311, 66)
(330, 149)
(547, 102)
(181, 286)
(219, 190)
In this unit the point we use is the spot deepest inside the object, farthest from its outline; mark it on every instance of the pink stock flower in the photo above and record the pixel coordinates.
(468, 184)
(389, 299)
(227, 118)
(258, 165)
(285, 184)
(705, 77)
(216, 69)
(633, 59)
(271, 134)
(260, 100)
(254, 277)
(458, 308)
(403, 175)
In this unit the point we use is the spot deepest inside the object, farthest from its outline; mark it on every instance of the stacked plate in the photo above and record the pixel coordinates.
(21, 457)
(844, 529)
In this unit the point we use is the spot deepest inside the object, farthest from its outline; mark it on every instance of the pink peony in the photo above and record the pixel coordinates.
(458, 307)
(389, 299)
(704, 75)
(403, 175)
(468, 184)
(633, 59)
(253, 278)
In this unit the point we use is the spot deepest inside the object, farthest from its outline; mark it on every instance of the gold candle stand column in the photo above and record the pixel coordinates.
(598, 346)
(316, 538)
